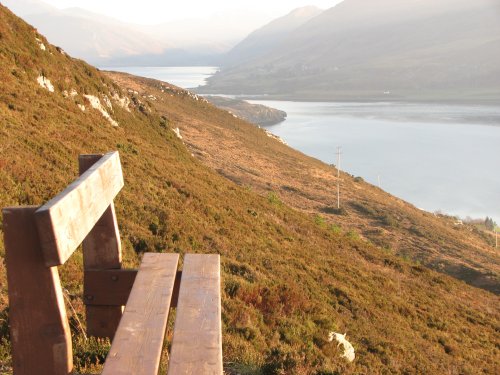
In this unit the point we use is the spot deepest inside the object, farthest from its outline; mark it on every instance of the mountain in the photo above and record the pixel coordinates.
(268, 37)
(196, 42)
(86, 35)
(106, 41)
(288, 277)
(28, 7)
(380, 49)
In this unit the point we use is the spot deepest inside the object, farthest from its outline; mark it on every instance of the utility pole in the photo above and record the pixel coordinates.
(339, 152)
(378, 177)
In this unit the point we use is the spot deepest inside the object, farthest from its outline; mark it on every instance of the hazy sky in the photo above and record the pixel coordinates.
(157, 11)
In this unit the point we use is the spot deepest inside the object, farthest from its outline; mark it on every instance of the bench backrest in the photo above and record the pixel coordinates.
(65, 221)
(37, 240)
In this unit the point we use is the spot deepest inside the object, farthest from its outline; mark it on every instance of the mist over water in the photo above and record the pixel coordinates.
(182, 76)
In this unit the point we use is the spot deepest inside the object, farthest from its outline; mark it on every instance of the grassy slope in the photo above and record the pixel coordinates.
(287, 279)
(245, 155)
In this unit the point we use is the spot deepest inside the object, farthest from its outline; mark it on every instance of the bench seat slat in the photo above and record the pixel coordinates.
(137, 345)
(197, 340)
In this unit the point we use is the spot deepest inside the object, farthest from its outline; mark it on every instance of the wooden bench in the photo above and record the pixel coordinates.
(38, 239)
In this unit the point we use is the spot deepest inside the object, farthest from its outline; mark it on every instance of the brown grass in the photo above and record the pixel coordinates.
(288, 278)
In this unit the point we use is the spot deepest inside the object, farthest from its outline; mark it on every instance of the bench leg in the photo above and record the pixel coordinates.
(40, 335)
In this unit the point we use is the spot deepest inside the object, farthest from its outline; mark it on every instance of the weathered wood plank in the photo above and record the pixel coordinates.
(102, 321)
(101, 250)
(65, 220)
(197, 341)
(107, 287)
(136, 348)
(102, 246)
(40, 334)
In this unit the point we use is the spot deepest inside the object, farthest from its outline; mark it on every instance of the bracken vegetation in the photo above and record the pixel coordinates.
(289, 278)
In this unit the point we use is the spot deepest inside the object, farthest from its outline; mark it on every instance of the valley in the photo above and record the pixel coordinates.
(414, 291)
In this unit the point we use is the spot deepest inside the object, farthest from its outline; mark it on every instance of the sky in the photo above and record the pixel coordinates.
(157, 11)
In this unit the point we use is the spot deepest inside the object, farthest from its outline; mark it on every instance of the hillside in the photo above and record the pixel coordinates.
(288, 278)
(87, 35)
(382, 49)
(263, 40)
(239, 153)
(106, 41)
(254, 113)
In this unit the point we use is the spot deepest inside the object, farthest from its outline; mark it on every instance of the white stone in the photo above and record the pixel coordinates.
(42, 46)
(96, 104)
(107, 102)
(122, 102)
(348, 348)
(45, 83)
(271, 135)
(177, 133)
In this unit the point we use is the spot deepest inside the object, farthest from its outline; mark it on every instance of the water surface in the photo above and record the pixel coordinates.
(182, 76)
(438, 157)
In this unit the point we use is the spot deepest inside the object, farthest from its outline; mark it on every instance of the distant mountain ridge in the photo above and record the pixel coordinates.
(106, 41)
(289, 277)
(86, 35)
(362, 49)
(264, 39)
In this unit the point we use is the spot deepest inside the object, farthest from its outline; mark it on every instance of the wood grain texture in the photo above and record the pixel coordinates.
(64, 221)
(107, 287)
(197, 341)
(101, 250)
(136, 348)
(102, 321)
(40, 334)
(102, 246)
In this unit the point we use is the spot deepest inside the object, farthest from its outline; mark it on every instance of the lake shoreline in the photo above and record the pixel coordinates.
(414, 152)
(436, 154)
(354, 99)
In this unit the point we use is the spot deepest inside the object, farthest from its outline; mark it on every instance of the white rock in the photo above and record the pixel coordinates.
(96, 104)
(271, 135)
(67, 94)
(45, 83)
(177, 133)
(82, 107)
(107, 102)
(122, 102)
(42, 46)
(348, 348)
